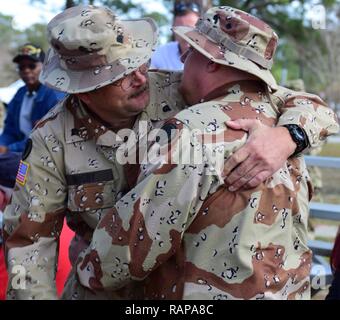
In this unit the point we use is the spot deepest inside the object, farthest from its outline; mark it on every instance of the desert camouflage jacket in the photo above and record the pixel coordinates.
(180, 234)
(73, 170)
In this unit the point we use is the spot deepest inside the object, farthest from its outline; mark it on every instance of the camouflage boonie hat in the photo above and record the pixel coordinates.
(91, 47)
(234, 38)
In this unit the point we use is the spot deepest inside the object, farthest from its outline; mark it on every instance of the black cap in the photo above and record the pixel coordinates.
(183, 7)
(30, 51)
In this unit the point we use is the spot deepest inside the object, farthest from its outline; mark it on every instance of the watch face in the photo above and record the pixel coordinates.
(298, 133)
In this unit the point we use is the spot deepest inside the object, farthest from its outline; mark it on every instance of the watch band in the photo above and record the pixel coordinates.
(299, 136)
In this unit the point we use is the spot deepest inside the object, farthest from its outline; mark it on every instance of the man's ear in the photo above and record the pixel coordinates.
(83, 96)
(212, 66)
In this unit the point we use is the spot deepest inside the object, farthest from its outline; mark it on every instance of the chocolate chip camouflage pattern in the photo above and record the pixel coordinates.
(180, 234)
(74, 172)
(308, 111)
(234, 38)
(60, 129)
(91, 47)
(314, 171)
(285, 103)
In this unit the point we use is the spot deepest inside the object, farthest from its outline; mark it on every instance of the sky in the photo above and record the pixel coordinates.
(25, 14)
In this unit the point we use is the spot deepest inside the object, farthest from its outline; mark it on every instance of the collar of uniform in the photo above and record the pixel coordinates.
(165, 101)
(244, 86)
(82, 125)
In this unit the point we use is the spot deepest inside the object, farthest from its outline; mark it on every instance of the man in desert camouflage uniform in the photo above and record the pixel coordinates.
(70, 167)
(180, 233)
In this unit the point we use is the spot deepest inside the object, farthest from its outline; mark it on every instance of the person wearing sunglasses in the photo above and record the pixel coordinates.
(29, 104)
(167, 56)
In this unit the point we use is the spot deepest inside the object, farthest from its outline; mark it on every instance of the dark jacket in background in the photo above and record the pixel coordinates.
(334, 290)
(45, 99)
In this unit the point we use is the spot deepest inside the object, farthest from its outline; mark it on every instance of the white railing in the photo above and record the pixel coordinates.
(326, 211)
(325, 162)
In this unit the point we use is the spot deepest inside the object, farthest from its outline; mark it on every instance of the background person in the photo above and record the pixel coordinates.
(167, 56)
(30, 104)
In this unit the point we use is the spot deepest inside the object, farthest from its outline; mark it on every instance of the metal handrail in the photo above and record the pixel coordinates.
(325, 162)
(325, 211)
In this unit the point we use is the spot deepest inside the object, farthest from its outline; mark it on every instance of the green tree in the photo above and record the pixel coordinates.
(126, 8)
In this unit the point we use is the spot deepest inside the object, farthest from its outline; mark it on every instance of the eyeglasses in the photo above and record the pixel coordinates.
(183, 7)
(186, 54)
(126, 82)
(22, 67)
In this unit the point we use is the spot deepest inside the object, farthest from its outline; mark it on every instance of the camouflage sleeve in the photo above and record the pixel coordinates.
(309, 112)
(34, 219)
(146, 226)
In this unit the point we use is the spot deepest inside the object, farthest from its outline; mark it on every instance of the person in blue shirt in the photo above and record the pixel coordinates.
(30, 103)
(168, 56)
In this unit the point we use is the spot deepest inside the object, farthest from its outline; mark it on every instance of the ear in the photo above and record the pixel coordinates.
(84, 96)
(212, 66)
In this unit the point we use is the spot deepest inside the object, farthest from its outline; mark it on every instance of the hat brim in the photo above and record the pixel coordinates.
(55, 76)
(212, 51)
(20, 57)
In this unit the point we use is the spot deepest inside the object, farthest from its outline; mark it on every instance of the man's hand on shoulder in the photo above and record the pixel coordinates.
(266, 150)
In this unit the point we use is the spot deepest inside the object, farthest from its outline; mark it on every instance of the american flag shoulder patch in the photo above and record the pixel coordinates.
(22, 173)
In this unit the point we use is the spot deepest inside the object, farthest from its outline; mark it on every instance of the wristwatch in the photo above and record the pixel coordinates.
(299, 136)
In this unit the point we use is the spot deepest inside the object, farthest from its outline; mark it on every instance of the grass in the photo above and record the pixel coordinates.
(330, 192)
(331, 150)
